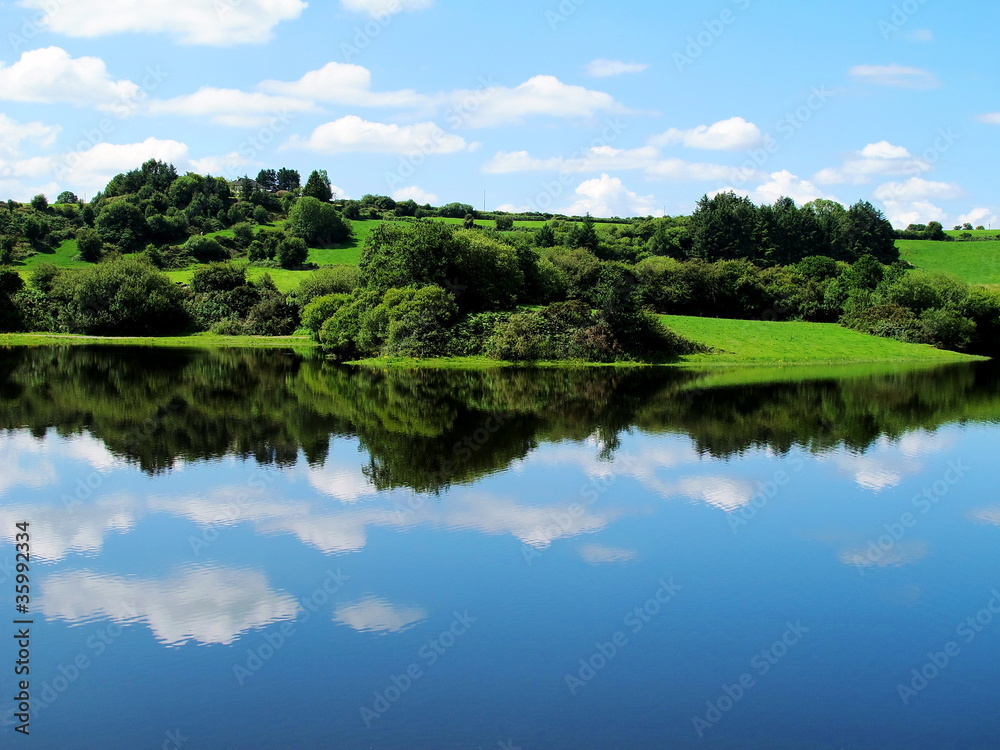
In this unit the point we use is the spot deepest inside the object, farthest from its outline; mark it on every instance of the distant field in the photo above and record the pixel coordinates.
(64, 257)
(974, 232)
(973, 262)
(759, 342)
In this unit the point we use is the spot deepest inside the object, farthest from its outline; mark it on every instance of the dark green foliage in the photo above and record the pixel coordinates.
(206, 249)
(545, 236)
(327, 280)
(40, 203)
(409, 322)
(888, 320)
(67, 196)
(318, 186)
(273, 315)
(155, 174)
(123, 296)
(292, 252)
(585, 235)
(90, 245)
(288, 179)
(321, 309)
(725, 226)
(243, 234)
(268, 180)
(868, 232)
(317, 222)
(218, 277)
(504, 223)
(123, 225)
(261, 216)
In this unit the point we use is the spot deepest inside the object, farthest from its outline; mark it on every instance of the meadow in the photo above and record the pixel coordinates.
(973, 262)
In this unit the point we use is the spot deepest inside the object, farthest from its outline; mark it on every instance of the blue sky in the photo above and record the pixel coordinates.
(630, 108)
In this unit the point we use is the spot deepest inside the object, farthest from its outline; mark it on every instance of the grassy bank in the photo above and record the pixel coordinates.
(735, 342)
(972, 262)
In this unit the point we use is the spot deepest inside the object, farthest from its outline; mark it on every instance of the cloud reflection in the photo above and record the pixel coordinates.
(373, 614)
(211, 605)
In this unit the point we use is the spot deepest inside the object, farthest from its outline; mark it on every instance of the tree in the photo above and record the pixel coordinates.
(724, 227)
(869, 232)
(40, 203)
(317, 222)
(318, 186)
(243, 234)
(218, 277)
(67, 196)
(90, 245)
(268, 180)
(545, 236)
(261, 216)
(292, 252)
(288, 179)
(585, 235)
(122, 224)
(206, 249)
(505, 223)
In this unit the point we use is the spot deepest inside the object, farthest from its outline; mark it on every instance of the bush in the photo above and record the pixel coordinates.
(321, 309)
(218, 277)
(292, 252)
(206, 249)
(317, 222)
(243, 235)
(948, 329)
(327, 280)
(272, 316)
(90, 245)
(888, 320)
(409, 322)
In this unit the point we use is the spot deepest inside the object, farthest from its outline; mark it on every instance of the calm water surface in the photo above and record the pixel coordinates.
(256, 550)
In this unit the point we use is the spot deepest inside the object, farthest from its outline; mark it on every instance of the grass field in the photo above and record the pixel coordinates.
(973, 262)
(753, 342)
(737, 342)
(974, 232)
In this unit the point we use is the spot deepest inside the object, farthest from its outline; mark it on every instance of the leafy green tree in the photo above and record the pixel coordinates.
(288, 179)
(292, 252)
(243, 234)
(585, 235)
(206, 249)
(218, 277)
(67, 196)
(326, 281)
(122, 224)
(321, 309)
(90, 245)
(868, 232)
(261, 216)
(724, 226)
(469, 222)
(318, 223)
(268, 180)
(318, 186)
(545, 236)
(504, 223)
(40, 203)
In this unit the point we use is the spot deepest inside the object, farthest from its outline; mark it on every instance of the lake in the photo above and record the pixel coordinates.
(256, 549)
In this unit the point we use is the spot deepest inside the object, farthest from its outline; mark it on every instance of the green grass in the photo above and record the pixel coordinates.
(63, 256)
(973, 262)
(973, 232)
(754, 342)
(197, 340)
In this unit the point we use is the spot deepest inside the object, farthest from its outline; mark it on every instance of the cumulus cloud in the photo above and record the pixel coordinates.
(875, 159)
(917, 189)
(219, 23)
(352, 134)
(734, 134)
(782, 184)
(598, 158)
(679, 169)
(539, 96)
(231, 107)
(383, 8)
(93, 168)
(206, 605)
(375, 615)
(898, 76)
(52, 75)
(608, 196)
(342, 83)
(13, 134)
(415, 193)
(601, 68)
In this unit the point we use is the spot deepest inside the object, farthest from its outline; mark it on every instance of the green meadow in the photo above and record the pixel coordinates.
(973, 262)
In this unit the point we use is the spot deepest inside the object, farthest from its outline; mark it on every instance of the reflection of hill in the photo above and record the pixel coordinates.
(426, 429)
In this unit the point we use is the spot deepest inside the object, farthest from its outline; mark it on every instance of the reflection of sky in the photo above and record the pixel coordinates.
(548, 556)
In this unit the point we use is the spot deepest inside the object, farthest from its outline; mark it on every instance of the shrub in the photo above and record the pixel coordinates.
(206, 249)
(887, 320)
(321, 309)
(292, 252)
(948, 329)
(327, 280)
(218, 277)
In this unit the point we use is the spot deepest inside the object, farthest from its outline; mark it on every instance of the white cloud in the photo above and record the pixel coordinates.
(720, 492)
(596, 159)
(781, 184)
(12, 134)
(601, 68)
(206, 605)
(232, 107)
(226, 165)
(920, 35)
(980, 216)
(597, 554)
(342, 83)
(93, 168)
(608, 196)
(734, 134)
(917, 189)
(415, 194)
(678, 169)
(375, 615)
(992, 118)
(215, 22)
(383, 8)
(352, 134)
(898, 76)
(875, 159)
(51, 75)
(539, 96)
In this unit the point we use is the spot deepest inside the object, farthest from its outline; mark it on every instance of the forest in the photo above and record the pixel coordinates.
(453, 281)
